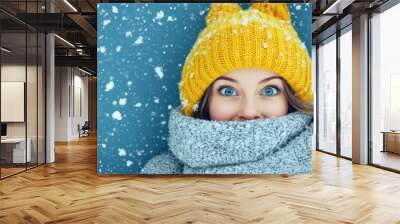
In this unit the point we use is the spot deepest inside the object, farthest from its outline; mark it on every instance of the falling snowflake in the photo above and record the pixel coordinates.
(184, 102)
(103, 49)
(129, 163)
(121, 152)
(118, 48)
(160, 15)
(171, 19)
(245, 20)
(139, 40)
(114, 9)
(195, 107)
(129, 83)
(159, 72)
(106, 22)
(180, 84)
(122, 101)
(156, 100)
(139, 152)
(109, 86)
(128, 34)
(138, 104)
(116, 115)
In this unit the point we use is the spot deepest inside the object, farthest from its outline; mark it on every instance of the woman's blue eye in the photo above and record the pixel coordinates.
(227, 91)
(270, 91)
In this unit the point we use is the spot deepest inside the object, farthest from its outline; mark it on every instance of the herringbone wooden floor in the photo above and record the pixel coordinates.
(70, 191)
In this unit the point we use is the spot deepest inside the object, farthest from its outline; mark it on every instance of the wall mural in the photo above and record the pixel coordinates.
(204, 88)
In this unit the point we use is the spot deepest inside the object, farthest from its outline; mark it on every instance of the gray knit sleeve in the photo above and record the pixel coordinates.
(164, 163)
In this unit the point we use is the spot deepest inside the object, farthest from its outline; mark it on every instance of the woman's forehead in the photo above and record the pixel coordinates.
(251, 76)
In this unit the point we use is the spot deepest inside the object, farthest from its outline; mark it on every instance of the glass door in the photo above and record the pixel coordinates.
(327, 95)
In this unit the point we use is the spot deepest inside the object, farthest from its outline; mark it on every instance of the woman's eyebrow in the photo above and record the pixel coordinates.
(228, 79)
(270, 78)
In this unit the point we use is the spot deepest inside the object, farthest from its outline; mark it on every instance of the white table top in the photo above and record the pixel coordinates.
(13, 140)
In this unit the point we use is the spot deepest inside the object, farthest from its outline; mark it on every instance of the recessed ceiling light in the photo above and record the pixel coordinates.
(64, 40)
(337, 7)
(84, 71)
(70, 5)
(5, 50)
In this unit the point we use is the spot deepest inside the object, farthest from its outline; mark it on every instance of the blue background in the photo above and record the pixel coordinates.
(140, 55)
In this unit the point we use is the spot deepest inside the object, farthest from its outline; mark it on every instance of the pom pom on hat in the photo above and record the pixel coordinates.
(220, 10)
(277, 10)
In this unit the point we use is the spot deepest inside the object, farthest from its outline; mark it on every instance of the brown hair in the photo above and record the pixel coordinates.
(295, 103)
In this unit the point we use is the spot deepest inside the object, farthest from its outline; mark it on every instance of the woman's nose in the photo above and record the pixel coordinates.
(249, 110)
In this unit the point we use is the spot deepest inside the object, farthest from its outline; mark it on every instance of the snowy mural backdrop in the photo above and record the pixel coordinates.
(141, 51)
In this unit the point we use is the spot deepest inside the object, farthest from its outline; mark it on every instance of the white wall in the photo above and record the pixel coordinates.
(61, 103)
(70, 83)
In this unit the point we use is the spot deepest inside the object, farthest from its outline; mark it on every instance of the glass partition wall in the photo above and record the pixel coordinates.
(22, 88)
(346, 92)
(334, 94)
(327, 96)
(334, 99)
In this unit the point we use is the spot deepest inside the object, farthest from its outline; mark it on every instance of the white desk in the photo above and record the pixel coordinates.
(19, 149)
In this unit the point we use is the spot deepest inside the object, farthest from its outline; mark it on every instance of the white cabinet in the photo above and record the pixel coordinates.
(18, 145)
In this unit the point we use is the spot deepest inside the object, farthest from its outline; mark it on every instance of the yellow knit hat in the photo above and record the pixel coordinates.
(259, 37)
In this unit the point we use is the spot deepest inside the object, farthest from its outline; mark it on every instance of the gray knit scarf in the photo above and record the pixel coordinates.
(265, 146)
